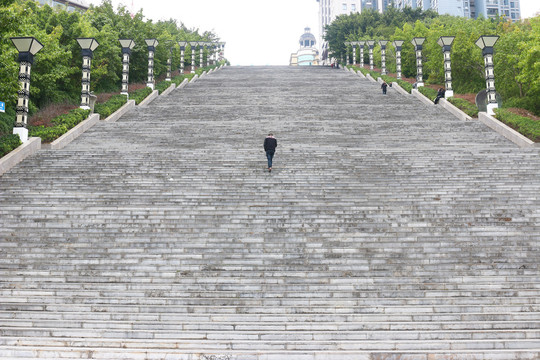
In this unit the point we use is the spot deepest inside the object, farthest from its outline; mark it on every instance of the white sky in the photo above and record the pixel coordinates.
(256, 32)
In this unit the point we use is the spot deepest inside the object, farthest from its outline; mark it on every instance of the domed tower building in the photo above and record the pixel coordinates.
(307, 55)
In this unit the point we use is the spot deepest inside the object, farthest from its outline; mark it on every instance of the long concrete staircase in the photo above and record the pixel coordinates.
(388, 229)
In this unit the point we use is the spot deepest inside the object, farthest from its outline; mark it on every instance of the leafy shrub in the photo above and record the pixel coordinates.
(465, 106)
(428, 92)
(110, 106)
(405, 85)
(526, 126)
(163, 85)
(140, 95)
(8, 143)
(61, 125)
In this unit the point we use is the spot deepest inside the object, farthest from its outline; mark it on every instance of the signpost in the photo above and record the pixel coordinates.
(2, 106)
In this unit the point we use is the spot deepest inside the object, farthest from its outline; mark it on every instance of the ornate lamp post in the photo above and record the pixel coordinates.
(201, 53)
(223, 50)
(397, 44)
(27, 47)
(127, 46)
(486, 43)
(169, 44)
(383, 56)
(446, 43)
(417, 42)
(361, 43)
(182, 45)
(193, 44)
(347, 58)
(151, 43)
(354, 44)
(88, 45)
(371, 44)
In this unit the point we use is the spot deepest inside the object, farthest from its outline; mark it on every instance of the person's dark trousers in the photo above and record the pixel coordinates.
(437, 99)
(270, 156)
(384, 91)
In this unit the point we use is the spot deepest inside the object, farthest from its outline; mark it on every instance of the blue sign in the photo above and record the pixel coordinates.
(2, 106)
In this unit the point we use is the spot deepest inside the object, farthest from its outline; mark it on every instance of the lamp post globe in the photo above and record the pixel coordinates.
(88, 45)
(27, 48)
(486, 43)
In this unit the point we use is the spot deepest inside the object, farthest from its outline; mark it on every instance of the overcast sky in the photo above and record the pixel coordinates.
(256, 32)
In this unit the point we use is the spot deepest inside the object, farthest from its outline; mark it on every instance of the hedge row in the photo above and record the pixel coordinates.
(526, 126)
(9, 143)
(465, 106)
(61, 125)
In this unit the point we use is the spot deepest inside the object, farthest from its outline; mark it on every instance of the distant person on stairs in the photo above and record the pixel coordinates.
(440, 95)
(270, 145)
(383, 87)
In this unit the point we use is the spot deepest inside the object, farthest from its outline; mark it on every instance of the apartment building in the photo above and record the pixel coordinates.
(328, 11)
(69, 5)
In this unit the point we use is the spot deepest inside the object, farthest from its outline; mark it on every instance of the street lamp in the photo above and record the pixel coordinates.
(193, 44)
(371, 44)
(347, 58)
(222, 54)
(361, 43)
(88, 45)
(201, 53)
(486, 43)
(417, 42)
(182, 45)
(151, 44)
(127, 46)
(27, 47)
(169, 44)
(446, 44)
(397, 44)
(383, 56)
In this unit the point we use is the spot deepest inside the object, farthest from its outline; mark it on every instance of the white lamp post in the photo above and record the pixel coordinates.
(446, 43)
(27, 47)
(371, 44)
(354, 44)
(417, 42)
(151, 44)
(486, 43)
(193, 44)
(201, 53)
(383, 43)
(127, 46)
(182, 45)
(169, 44)
(397, 44)
(88, 45)
(361, 43)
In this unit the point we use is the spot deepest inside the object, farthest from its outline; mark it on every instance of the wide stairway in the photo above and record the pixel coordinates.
(388, 229)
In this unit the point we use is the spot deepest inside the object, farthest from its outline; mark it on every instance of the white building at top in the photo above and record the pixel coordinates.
(328, 11)
(510, 9)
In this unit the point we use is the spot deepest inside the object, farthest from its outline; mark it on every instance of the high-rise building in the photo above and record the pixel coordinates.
(328, 11)
(69, 5)
(509, 9)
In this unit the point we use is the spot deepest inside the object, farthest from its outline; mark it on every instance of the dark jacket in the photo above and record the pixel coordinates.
(270, 144)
